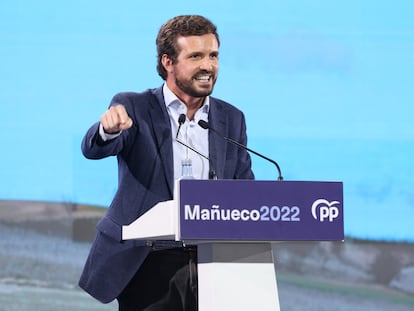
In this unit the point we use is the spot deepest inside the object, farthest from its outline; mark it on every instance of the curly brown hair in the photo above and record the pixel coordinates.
(184, 25)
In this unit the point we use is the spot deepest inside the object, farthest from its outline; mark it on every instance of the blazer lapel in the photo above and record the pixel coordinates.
(217, 145)
(162, 131)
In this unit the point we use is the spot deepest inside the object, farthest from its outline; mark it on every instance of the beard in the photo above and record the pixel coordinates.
(189, 88)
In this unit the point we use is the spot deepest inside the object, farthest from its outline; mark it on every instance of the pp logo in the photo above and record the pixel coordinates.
(323, 209)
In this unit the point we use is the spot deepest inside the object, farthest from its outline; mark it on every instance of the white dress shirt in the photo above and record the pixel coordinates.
(190, 133)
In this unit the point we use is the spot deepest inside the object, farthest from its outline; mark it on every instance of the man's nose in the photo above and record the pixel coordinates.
(207, 64)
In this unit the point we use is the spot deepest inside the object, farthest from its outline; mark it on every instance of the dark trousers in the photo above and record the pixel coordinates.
(167, 280)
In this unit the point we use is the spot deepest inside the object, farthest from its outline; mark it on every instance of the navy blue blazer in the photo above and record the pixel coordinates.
(145, 177)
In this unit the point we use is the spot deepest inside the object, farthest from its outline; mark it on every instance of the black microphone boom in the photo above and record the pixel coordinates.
(212, 173)
(206, 126)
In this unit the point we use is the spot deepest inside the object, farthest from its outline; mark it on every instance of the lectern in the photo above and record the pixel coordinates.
(234, 223)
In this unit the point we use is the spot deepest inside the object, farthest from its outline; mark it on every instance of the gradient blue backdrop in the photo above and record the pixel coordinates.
(326, 87)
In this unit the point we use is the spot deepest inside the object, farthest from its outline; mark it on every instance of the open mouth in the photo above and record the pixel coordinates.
(203, 78)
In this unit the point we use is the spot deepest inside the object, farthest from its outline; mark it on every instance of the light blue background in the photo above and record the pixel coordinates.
(326, 86)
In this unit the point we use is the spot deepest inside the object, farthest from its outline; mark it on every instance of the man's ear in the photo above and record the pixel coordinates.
(167, 62)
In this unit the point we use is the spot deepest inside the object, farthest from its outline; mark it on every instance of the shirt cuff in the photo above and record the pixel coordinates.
(106, 136)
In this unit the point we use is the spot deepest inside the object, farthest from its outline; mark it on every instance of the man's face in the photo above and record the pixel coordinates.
(195, 71)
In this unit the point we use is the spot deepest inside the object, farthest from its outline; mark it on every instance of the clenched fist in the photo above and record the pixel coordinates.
(116, 119)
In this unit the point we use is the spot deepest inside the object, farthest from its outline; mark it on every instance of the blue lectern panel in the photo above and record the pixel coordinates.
(248, 210)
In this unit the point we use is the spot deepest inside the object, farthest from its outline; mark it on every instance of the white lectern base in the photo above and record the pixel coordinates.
(237, 276)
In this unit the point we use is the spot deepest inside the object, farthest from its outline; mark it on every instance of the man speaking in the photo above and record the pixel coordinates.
(143, 131)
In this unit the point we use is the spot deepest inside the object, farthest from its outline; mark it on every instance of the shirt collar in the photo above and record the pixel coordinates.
(172, 101)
